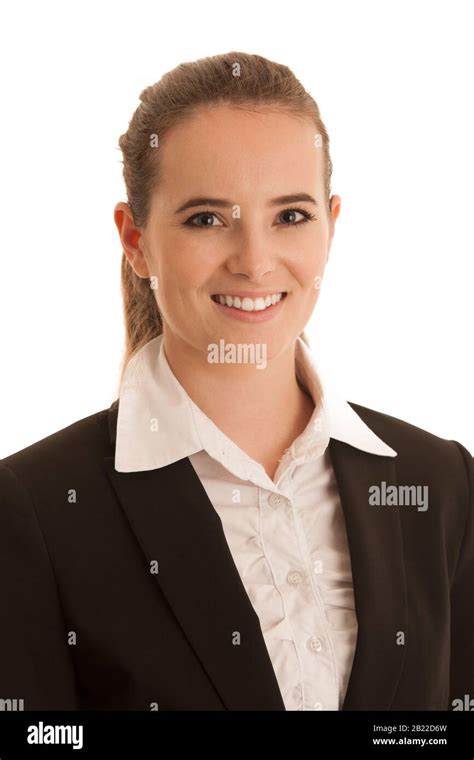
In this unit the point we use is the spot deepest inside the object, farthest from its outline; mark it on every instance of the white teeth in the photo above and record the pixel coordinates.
(250, 304)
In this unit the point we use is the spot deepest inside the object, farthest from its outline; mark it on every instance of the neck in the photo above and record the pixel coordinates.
(259, 409)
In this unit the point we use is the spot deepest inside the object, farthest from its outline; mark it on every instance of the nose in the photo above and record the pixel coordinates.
(252, 258)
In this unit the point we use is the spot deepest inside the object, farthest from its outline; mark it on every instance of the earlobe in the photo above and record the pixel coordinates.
(140, 267)
(137, 262)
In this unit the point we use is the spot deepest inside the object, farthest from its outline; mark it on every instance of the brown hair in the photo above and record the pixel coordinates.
(235, 79)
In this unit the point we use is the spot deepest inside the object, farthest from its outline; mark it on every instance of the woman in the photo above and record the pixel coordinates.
(229, 534)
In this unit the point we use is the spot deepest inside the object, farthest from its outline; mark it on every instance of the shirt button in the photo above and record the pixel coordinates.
(294, 577)
(315, 644)
(318, 706)
(275, 500)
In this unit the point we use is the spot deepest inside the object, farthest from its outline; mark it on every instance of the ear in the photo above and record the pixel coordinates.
(335, 205)
(131, 239)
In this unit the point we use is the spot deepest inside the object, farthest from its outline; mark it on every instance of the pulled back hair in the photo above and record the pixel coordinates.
(236, 79)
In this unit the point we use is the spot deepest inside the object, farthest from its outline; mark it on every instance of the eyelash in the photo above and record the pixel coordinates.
(307, 214)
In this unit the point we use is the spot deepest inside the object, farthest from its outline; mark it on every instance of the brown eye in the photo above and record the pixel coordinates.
(307, 216)
(203, 214)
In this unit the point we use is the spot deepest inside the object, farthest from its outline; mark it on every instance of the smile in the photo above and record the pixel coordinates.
(249, 304)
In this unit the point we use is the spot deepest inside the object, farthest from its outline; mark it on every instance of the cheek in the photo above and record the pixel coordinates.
(181, 282)
(188, 262)
(172, 261)
(310, 267)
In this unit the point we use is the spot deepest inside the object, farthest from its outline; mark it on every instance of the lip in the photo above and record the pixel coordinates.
(251, 316)
(248, 293)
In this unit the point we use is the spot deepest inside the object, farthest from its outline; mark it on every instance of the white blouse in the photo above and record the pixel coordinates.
(287, 536)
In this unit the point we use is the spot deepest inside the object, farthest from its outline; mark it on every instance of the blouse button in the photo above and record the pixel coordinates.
(315, 644)
(275, 500)
(294, 577)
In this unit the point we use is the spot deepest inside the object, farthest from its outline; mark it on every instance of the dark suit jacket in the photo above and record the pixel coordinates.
(87, 625)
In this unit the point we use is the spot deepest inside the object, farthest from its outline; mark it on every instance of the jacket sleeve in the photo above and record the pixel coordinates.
(35, 661)
(462, 602)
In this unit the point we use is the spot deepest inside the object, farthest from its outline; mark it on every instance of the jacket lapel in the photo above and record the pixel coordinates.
(175, 523)
(378, 571)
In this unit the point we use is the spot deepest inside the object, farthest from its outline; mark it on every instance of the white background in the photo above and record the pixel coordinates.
(394, 324)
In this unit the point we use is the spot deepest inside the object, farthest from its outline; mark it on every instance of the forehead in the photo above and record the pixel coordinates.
(240, 153)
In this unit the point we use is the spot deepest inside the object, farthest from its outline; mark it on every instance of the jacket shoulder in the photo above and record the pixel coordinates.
(414, 444)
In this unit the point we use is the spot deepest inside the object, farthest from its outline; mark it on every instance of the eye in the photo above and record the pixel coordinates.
(307, 216)
(209, 215)
(204, 214)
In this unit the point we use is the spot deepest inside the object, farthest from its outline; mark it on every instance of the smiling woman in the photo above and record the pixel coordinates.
(211, 541)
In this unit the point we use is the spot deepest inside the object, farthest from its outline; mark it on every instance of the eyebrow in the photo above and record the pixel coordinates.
(222, 203)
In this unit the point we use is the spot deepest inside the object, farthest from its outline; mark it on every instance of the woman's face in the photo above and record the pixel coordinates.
(247, 240)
